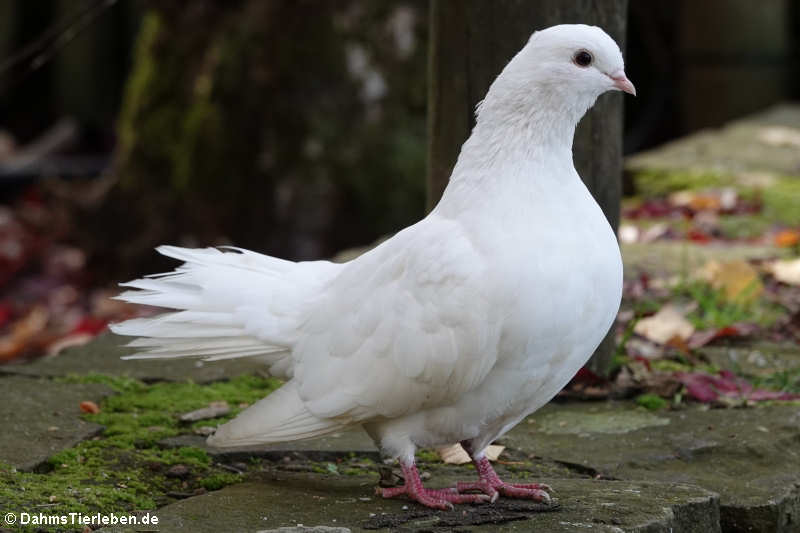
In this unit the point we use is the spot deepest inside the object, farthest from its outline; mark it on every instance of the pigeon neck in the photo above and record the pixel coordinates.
(523, 121)
(519, 146)
(506, 137)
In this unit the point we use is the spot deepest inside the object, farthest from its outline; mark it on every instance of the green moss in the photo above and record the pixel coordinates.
(650, 183)
(782, 201)
(125, 469)
(142, 76)
(783, 380)
(217, 481)
(714, 310)
(117, 383)
(744, 226)
(652, 402)
(427, 456)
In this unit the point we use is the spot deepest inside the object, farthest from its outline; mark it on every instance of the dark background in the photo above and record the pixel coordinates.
(297, 128)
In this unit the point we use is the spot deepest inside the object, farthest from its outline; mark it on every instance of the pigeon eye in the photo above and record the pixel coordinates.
(582, 58)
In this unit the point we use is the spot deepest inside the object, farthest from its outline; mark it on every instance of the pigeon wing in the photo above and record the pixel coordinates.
(405, 327)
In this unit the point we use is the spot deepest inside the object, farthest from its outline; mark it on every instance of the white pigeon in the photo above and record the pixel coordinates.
(453, 330)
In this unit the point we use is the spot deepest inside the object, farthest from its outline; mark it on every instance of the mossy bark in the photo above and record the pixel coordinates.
(246, 122)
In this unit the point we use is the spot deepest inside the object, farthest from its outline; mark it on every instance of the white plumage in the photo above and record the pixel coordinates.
(454, 329)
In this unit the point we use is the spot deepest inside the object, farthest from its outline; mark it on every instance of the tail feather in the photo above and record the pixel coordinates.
(282, 416)
(226, 304)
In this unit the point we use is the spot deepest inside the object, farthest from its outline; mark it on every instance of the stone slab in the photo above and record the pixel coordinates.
(280, 499)
(669, 258)
(102, 356)
(738, 150)
(328, 448)
(750, 457)
(754, 359)
(40, 417)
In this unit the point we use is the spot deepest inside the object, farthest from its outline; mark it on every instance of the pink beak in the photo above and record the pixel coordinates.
(622, 82)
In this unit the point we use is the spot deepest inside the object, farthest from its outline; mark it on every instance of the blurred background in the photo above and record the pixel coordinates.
(295, 128)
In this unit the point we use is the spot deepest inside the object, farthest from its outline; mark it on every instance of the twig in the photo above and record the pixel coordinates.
(53, 40)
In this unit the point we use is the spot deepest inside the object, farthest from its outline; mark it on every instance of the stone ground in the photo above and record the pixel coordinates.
(615, 467)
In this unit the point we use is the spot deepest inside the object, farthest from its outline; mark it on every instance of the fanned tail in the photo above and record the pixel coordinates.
(227, 303)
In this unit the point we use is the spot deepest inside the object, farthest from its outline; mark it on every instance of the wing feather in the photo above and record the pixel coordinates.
(415, 331)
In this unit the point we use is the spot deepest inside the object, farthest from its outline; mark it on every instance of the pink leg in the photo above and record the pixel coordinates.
(436, 498)
(493, 486)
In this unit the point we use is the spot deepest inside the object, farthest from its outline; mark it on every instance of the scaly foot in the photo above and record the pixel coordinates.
(435, 498)
(492, 486)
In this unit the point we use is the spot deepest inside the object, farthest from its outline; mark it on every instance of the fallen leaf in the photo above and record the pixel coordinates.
(724, 387)
(628, 233)
(455, 454)
(705, 202)
(787, 238)
(654, 232)
(214, 410)
(22, 331)
(76, 339)
(678, 343)
(740, 329)
(669, 322)
(91, 325)
(89, 407)
(700, 237)
(785, 270)
(645, 349)
(737, 280)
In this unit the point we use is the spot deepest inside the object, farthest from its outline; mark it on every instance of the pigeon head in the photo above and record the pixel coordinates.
(556, 77)
(575, 58)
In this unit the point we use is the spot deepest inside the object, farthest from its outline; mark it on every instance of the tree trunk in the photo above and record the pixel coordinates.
(290, 127)
(470, 43)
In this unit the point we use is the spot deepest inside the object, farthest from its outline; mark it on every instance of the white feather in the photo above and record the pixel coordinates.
(455, 328)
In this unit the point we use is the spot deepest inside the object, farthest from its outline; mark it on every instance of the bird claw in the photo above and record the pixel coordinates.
(435, 498)
(532, 491)
(493, 486)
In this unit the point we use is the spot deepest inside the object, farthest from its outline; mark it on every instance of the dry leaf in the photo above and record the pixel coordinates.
(76, 339)
(785, 270)
(455, 454)
(705, 202)
(89, 407)
(214, 410)
(22, 332)
(669, 322)
(656, 231)
(787, 238)
(628, 233)
(737, 280)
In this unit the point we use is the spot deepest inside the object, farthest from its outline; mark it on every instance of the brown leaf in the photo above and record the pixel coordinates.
(22, 332)
(89, 407)
(737, 280)
(787, 238)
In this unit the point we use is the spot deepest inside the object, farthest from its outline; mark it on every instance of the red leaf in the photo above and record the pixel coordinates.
(5, 313)
(707, 388)
(90, 325)
(89, 407)
(698, 236)
(740, 329)
(585, 376)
